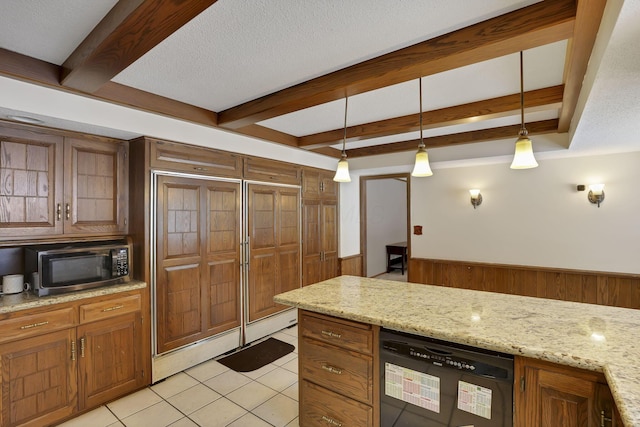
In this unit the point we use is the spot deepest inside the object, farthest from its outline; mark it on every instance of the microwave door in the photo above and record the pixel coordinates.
(78, 268)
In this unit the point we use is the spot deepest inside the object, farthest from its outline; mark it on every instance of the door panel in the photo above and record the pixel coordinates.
(273, 223)
(30, 185)
(110, 359)
(223, 257)
(39, 379)
(198, 271)
(329, 220)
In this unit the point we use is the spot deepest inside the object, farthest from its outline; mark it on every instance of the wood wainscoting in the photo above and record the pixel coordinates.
(351, 265)
(604, 288)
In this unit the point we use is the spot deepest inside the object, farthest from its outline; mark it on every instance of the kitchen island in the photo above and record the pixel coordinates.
(592, 337)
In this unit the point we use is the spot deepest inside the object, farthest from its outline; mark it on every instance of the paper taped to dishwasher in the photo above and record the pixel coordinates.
(474, 399)
(411, 386)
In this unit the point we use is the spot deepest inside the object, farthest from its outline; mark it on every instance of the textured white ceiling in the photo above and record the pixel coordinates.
(238, 50)
(49, 29)
(256, 47)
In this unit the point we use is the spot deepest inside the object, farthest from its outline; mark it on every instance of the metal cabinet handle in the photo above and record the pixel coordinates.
(59, 211)
(331, 334)
(67, 210)
(73, 350)
(115, 307)
(82, 347)
(34, 325)
(331, 421)
(332, 369)
(604, 419)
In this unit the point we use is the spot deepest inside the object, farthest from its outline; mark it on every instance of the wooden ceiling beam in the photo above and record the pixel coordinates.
(128, 31)
(547, 98)
(588, 17)
(541, 127)
(541, 23)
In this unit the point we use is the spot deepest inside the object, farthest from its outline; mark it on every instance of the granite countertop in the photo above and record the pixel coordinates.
(26, 300)
(587, 336)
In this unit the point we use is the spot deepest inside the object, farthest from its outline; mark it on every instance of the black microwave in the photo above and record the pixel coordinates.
(61, 268)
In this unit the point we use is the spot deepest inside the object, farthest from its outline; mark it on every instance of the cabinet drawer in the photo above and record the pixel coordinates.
(320, 407)
(343, 371)
(109, 308)
(36, 324)
(352, 336)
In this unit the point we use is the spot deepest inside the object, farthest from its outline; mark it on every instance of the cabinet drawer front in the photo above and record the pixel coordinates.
(110, 308)
(36, 324)
(320, 407)
(340, 370)
(357, 337)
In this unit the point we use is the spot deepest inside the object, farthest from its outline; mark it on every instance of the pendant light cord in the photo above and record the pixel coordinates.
(421, 145)
(344, 139)
(523, 130)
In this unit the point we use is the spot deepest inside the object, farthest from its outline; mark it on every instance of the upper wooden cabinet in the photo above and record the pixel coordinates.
(188, 158)
(95, 186)
(318, 183)
(258, 169)
(52, 185)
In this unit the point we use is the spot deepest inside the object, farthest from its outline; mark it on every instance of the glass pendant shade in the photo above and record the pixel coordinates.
(523, 158)
(422, 167)
(342, 172)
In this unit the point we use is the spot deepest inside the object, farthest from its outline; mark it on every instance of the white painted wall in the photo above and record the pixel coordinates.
(386, 220)
(529, 217)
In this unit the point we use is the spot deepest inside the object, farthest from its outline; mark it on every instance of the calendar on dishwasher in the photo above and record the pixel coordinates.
(411, 386)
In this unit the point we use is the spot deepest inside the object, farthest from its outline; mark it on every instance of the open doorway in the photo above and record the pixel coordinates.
(384, 221)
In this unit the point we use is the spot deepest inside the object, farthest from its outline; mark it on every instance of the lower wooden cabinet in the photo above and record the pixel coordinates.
(550, 395)
(39, 379)
(337, 372)
(69, 359)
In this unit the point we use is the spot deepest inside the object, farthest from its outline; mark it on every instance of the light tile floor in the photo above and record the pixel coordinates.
(210, 395)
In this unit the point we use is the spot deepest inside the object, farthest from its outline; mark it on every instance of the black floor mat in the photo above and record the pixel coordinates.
(256, 356)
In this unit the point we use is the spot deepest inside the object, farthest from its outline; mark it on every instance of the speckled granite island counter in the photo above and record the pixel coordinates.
(593, 337)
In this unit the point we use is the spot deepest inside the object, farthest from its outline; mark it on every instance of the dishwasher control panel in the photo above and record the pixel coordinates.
(445, 358)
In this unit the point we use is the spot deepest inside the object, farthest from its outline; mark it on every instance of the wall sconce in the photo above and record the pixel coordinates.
(476, 197)
(596, 193)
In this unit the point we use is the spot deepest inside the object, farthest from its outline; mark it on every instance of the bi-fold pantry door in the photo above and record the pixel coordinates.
(224, 248)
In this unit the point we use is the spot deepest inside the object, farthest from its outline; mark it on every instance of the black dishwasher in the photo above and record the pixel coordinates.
(431, 383)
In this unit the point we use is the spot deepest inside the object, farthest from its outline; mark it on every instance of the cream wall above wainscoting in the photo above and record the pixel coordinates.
(531, 217)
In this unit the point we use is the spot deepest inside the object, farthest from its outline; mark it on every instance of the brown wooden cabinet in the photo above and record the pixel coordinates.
(319, 226)
(338, 372)
(55, 364)
(52, 185)
(550, 395)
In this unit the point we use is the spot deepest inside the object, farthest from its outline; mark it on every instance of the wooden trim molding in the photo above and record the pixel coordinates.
(593, 287)
(351, 265)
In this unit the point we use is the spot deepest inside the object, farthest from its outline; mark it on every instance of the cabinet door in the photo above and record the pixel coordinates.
(30, 183)
(328, 187)
(552, 398)
(329, 239)
(96, 187)
(110, 359)
(311, 242)
(273, 221)
(179, 262)
(39, 379)
(222, 257)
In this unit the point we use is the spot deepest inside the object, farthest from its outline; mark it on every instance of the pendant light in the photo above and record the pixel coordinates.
(421, 167)
(523, 158)
(342, 172)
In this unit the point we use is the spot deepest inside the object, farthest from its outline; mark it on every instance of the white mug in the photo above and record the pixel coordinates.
(14, 284)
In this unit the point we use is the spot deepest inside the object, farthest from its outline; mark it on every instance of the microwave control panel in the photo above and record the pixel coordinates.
(120, 259)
